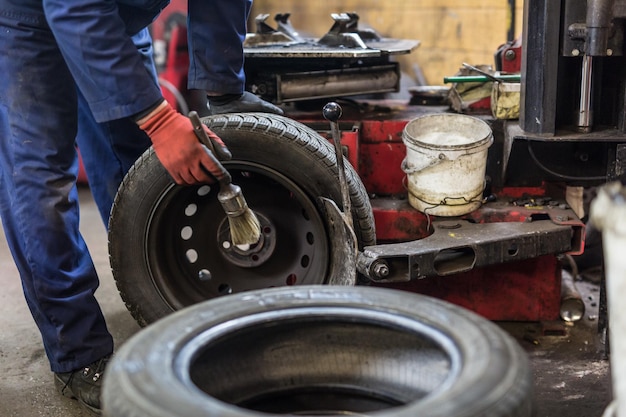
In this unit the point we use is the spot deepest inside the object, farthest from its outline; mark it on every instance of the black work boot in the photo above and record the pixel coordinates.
(244, 103)
(83, 384)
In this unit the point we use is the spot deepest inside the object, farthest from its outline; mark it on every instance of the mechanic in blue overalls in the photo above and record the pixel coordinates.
(81, 72)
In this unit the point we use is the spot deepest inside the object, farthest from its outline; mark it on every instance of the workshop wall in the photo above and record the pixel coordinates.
(451, 31)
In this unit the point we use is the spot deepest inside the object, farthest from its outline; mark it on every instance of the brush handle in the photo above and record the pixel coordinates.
(220, 152)
(481, 72)
(223, 176)
(232, 200)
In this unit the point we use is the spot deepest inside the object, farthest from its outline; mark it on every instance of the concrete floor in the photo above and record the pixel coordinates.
(571, 373)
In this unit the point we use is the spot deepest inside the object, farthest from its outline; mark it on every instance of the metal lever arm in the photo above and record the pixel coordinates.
(332, 112)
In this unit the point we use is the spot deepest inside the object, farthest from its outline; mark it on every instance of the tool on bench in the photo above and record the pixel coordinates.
(512, 78)
(481, 72)
(245, 228)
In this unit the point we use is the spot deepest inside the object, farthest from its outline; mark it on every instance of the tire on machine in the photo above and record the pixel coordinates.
(168, 244)
(313, 350)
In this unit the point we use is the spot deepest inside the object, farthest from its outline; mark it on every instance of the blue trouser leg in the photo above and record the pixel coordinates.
(214, 29)
(109, 149)
(38, 197)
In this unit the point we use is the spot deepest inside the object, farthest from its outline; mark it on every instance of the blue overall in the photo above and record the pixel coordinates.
(70, 74)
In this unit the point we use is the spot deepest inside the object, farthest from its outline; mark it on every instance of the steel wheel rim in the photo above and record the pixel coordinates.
(185, 248)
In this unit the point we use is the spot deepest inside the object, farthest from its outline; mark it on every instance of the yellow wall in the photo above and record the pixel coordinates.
(451, 31)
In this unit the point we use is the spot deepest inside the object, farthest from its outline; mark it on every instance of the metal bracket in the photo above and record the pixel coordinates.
(459, 246)
(343, 245)
(267, 35)
(285, 26)
(345, 32)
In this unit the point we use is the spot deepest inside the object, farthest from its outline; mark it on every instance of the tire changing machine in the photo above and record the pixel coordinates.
(502, 260)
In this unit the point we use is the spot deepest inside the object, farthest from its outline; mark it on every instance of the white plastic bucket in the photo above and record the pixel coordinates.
(446, 158)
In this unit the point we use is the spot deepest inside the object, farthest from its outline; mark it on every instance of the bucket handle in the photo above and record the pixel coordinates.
(431, 161)
(446, 200)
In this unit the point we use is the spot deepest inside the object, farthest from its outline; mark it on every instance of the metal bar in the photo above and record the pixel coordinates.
(332, 112)
(460, 246)
(513, 78)
(333, 83)
(584, 109)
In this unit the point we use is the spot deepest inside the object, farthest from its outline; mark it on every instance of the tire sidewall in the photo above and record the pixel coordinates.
(147, 376)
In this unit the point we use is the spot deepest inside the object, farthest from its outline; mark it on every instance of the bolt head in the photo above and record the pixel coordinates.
(510, 55)
(381, 270)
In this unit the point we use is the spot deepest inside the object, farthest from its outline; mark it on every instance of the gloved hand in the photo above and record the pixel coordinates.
(178, 149)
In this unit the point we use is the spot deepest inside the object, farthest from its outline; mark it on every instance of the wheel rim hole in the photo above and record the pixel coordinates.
(192, 255)
(291, 279)
(190, 210)
(224, 289)
(204, 275)
(304, 261)
(310, 238)
(204, 190)
(186, 233)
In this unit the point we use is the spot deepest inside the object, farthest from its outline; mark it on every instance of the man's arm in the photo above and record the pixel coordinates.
(103, 60)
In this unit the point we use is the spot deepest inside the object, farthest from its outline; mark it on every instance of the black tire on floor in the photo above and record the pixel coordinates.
(168, 244)
(313, 350)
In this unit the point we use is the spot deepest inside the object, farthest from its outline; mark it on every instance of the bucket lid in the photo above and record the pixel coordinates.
(447, 131)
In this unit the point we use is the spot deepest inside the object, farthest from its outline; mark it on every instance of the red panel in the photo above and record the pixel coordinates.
(376, 131)
(350, 146)
(397, 221)
(527, 290)
(380, 168)
(522, 192)
(511, 56)
(381, 155)
(350, 140)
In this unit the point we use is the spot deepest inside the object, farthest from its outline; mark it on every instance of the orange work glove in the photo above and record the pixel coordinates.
(178, 148)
